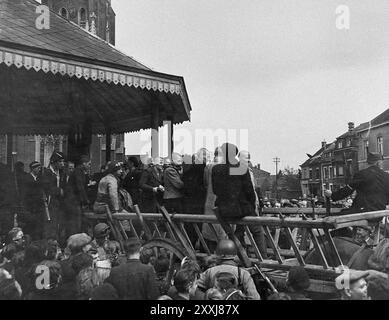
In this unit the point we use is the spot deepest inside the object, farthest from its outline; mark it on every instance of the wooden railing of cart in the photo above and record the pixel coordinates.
(290, 221)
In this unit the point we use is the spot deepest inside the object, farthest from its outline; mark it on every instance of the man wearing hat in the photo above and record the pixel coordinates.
(226, 254)
(33, 201)
(53, 184)
(151, 184)
(75, 196)
(108, 190)
(106, 249)
(134, 280)
(352, 285)
(371, 185)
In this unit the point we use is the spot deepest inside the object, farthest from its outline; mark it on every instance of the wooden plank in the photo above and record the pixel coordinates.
(319, 249)
(294, 246)
(169, 229)
(251, 238)
(212, 227)
(333, 247)
(201, 238)
(157, 230)
(133, 229)
(264, 221)
(180, 236)
(277, 236)
(145, 227)
(296, 211)
(182, 227)
(336, 220)
(273, 245)
(228, 230)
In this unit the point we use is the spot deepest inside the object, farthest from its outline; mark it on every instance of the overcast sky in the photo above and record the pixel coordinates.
(278, 68)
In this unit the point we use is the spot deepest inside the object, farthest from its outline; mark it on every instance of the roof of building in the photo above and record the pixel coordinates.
(18, 25)
(316, 158)
(61, 77)
(380, 119)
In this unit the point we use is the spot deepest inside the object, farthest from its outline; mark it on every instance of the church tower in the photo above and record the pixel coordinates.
(96, 16)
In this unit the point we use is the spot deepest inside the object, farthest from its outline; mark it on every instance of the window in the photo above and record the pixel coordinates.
(340, 144)
(82, 18)
(364, 149)
(348, 143)
(325, 172)
(380, 145)
(331, 172)
(64, 13)
(340, 171)
(331, 187)
(317, 173)
(310, 173)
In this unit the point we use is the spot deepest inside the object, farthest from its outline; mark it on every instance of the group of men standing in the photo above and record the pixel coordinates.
(53, 197)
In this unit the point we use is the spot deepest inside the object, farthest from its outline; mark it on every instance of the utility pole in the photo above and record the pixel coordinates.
(276, 160)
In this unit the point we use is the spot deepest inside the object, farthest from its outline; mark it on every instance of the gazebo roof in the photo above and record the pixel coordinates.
(56, 78)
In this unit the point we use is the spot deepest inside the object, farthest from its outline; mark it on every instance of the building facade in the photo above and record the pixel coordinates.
(95, 16)
(374, 137)
(333, 166)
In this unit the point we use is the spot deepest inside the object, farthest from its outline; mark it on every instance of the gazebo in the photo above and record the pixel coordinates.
(65, 80)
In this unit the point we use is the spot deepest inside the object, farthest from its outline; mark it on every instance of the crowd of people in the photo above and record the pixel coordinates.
(54, 253)
(96, 269)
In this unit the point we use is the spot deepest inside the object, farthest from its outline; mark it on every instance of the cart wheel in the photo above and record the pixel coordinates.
(168, 245)
(174, 251)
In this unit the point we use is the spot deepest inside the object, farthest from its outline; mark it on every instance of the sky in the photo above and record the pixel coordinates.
(280, 69)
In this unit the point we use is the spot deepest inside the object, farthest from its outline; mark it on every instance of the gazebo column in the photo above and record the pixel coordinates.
(155, 132)
(170, 137)
(108, 141)
(10, 143)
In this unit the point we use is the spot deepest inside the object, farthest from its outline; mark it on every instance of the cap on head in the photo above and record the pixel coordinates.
(351, 276)
(373, 157)
(57, 156)
(226, 249)
(114, 166)
(78, 241)
(34, 164)
(84, 159)
(101, 230)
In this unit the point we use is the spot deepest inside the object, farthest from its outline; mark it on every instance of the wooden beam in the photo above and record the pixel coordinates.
(107, 145)
(154, 131)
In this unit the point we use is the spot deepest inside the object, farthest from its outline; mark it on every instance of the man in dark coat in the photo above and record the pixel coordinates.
(34, 202)
(235, 195)
(134, 280)
(53, 183)
(76, 197)
(172, 197)
(151, 183)
(371, 185)
(131, 181)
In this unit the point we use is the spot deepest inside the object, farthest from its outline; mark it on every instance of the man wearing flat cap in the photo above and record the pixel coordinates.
(352, 285)
(371, 185)
(33, 201)
(53, 184)
(75, 197)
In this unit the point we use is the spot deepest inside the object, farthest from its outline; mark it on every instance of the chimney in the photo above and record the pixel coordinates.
(351, 126)
(324, 144)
